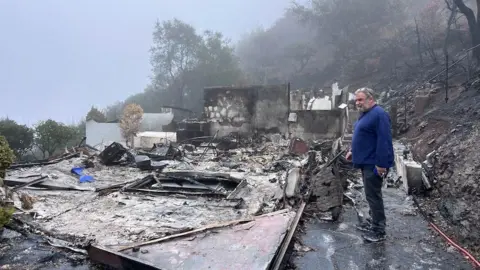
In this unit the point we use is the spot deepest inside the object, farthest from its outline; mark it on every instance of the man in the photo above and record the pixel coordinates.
(372, 152)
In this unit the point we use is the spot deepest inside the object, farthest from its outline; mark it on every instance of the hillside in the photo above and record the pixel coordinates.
(452, 130)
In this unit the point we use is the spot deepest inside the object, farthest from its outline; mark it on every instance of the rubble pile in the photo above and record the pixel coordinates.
(119, 199)
(120, 195)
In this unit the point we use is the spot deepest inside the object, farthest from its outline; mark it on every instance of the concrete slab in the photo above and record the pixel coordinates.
(410, 171)
(247, 246)
(414, 179)
(409, 245)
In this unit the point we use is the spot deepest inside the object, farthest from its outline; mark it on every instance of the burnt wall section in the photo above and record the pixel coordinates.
(316, 124)
(229, 109)
(271, 109)
(246, 109)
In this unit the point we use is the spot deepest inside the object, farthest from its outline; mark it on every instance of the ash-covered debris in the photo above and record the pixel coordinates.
(137, 195)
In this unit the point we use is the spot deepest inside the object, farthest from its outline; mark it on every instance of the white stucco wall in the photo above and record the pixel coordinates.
(155, 121)
(106, 133)
(98, 133)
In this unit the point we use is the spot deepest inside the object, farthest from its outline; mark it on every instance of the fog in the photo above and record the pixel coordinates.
(61, 59)
(58, 58)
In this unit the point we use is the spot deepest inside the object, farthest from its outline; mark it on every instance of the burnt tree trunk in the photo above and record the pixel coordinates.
(473, 25)
(419, 43)
(453, 14)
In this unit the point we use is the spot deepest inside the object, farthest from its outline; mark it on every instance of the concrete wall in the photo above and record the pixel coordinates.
(297, 100)
(246, 109)
(315, 125)
(352, 118)
(271, 109)
(229, 109)
(266, 109)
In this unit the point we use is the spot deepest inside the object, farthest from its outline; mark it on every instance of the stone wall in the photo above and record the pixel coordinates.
(316, 125)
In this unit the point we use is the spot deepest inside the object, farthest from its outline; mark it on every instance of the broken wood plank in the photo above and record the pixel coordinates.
(58, 243)
(286, 242)
(46, 184)
(114, 186)
(200, 184)
(181, 187)
(33, 182)
(237, 190)
(203, 175)
(28, 165)
(171, 192)
(208, 227)
(29, 176)
(140, 182)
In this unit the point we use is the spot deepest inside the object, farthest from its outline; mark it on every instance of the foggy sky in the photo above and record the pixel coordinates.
(58, 58)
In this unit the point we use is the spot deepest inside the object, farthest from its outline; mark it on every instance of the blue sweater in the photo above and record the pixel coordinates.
(372, 139)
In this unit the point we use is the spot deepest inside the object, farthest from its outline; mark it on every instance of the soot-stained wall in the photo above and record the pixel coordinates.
(315, 125)
(247, 109)
(271, 109)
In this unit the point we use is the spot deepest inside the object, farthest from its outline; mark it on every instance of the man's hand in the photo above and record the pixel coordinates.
(348, 156)
(381, 171)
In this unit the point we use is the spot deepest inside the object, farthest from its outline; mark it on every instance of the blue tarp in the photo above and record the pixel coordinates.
(83, 177)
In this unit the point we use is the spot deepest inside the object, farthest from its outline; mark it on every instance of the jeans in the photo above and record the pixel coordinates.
(373, 192)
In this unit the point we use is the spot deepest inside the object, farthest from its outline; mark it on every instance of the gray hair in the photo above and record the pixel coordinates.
(367, 91)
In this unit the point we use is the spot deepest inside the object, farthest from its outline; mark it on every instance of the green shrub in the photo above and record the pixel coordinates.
(6, 157)
(5, 215)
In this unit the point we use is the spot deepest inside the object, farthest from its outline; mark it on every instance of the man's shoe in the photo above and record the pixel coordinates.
(373, 236)
(364, 227)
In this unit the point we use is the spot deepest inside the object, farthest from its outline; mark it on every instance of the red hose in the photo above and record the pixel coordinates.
(450, 241)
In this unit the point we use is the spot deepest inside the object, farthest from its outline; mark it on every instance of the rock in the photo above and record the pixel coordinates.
(27, 201)
(293, 181)
(8, 234)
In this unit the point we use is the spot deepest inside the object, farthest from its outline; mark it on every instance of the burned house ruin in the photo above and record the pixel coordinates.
(227, 193)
